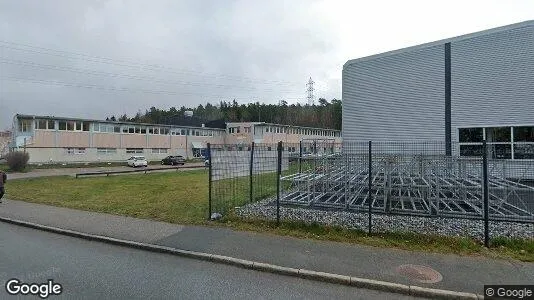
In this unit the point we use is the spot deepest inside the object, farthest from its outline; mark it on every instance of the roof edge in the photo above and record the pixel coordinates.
(443, 41)
(109, 121)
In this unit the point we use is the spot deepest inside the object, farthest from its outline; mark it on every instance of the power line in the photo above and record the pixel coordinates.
(128, 76)
(119, 89)
(126, 63)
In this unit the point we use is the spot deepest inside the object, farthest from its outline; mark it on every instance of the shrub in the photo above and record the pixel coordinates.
(17, 161)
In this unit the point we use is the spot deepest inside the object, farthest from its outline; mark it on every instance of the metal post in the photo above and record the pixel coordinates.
(209, 181)
(369, 200)
(300, 157)
(485, 192)
(278, 174)
(251, 169)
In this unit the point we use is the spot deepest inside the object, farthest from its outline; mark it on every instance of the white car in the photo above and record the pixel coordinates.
(137, 161)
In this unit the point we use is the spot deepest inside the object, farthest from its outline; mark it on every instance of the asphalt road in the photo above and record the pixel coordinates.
(94, 270)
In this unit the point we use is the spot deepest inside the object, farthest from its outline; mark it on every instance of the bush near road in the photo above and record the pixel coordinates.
(17, 160)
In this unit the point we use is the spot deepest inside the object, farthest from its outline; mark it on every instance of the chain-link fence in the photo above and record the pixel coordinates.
(377, 187)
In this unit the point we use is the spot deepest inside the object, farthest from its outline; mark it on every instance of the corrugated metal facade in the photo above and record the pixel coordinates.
(493, 80)
(397, 97)
(401, 95)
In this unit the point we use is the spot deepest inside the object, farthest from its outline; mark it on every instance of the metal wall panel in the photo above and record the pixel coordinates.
(396, 97)
(493, 80)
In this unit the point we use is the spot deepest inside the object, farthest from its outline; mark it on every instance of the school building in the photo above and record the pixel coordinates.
(50, 139)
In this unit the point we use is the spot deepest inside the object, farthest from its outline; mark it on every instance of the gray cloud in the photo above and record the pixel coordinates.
(204, 50)
(183, 53)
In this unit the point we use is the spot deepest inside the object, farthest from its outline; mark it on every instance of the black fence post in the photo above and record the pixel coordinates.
(485, 192)
(278, 175)
(300, 157)
(209, 181)
(369, 192)
(251, 169)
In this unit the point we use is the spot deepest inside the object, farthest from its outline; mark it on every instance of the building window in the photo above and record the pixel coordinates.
(247, 129)
(498, 134)
(40, 124)
(470, 135)
(75, 151)
(159, 150)
(106, 150)
(524, 134)
(25, 125)
(502, 142)
(143, 130)
(71, 125)
(45, 124)
(524, 142)
(62, 125)
(134, 150)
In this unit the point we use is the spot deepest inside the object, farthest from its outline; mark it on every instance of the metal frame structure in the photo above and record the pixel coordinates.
(409, 185)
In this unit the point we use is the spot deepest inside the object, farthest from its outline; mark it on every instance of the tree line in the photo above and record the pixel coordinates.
(325, 114)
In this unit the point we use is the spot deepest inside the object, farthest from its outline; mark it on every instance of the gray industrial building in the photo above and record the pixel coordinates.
(458, 90)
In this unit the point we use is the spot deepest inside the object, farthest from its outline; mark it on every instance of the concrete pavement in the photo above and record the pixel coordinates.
(457, 273)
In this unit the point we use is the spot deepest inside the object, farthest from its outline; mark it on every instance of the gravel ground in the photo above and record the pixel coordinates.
(266, 209)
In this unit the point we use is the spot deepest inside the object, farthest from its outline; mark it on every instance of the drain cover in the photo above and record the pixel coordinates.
(419, 273)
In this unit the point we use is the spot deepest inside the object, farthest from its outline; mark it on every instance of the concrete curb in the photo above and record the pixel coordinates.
(247, 264)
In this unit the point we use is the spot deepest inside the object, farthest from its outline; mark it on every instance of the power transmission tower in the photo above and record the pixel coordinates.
(309, 89)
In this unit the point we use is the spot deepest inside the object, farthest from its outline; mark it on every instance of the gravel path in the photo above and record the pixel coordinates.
(266, 209)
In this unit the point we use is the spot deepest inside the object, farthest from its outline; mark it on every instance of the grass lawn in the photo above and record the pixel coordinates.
(177, 197)
(182, 197)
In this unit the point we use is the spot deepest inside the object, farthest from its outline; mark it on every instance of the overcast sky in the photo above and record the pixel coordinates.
(97, 58)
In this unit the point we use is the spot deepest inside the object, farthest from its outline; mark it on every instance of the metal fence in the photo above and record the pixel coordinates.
(376, 187)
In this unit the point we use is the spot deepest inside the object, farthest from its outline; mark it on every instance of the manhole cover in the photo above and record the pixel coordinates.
(420, 273)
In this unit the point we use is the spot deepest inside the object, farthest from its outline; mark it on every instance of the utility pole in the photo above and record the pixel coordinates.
(310, 89)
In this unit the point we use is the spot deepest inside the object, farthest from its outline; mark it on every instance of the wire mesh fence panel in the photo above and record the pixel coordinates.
(510, 197)
(229, 177)
(401, 186)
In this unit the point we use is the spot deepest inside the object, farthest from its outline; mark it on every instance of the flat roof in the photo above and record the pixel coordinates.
(281, 125)
(443, 41)
(111, 122)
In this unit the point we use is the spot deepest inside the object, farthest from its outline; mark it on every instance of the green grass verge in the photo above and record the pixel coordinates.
(502, 248)
(177, 197)
(181, 197)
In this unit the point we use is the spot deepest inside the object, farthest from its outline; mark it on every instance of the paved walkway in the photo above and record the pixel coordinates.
(463, 274)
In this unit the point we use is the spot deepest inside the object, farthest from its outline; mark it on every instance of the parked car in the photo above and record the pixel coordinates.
(137, 161)
(173, 160)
